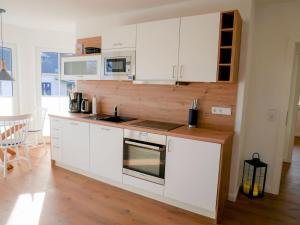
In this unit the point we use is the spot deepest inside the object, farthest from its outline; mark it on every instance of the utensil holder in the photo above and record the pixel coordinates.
(193, 118)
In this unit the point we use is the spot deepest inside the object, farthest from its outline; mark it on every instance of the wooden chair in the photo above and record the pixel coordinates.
(13, 131)
(36, 127)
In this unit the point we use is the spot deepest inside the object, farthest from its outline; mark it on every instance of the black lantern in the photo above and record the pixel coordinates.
(254, 177)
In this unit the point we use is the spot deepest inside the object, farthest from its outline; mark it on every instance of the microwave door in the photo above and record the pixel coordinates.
(115, 66)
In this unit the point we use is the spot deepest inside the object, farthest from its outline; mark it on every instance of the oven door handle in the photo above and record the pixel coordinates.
(144, 145)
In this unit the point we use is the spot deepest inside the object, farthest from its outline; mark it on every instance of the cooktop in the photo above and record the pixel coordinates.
(157, 125)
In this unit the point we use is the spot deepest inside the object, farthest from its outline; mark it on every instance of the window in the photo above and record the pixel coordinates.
(50, 70)
(6, 87)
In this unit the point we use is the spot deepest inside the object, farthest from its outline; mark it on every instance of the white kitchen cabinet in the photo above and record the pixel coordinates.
(198, 54)
(192, 169)
(56, 131)
(119, 37)
(157, 50)
(106, 151)
(81, 67)
(75, 144)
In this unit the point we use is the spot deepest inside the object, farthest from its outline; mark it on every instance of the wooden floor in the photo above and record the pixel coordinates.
(55, 196)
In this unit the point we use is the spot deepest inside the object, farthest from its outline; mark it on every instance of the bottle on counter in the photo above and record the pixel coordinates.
(94, 105)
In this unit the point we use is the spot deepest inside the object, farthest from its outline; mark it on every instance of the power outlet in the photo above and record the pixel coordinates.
(221, 111)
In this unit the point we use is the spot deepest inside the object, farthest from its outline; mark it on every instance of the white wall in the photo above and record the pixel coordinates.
(27, 41)
(276, 31)
(94, 27)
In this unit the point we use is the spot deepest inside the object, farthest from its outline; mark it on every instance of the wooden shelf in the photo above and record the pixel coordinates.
(227, 29)
(226, 47)
(83, 43)
(229, 46)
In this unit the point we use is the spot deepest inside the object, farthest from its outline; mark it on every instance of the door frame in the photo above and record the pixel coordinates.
(286, 120)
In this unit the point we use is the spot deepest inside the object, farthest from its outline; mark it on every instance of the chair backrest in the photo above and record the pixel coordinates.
(13, 130)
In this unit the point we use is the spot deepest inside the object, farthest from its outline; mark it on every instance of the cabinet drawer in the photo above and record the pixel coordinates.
(56, 141)
(56, 123)
(143, 185)
(56, 132)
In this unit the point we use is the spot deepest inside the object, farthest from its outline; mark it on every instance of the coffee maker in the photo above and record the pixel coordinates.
(75, 99)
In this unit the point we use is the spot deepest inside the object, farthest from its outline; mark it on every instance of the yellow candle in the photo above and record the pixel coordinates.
(246, 187)
(255, 190)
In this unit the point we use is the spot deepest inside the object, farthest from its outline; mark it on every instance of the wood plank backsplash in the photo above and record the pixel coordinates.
(164, 102)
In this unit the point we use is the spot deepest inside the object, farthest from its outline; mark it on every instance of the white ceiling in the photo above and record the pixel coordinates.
(62, 14)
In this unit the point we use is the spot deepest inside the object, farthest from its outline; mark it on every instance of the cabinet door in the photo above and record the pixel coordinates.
(157, 50)
(106, 152)
(119, 37)
(192, 169)
(81, 68)
(198, 54)
(75, 149)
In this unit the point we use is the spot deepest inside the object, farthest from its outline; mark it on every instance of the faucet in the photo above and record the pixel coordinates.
(116, 111)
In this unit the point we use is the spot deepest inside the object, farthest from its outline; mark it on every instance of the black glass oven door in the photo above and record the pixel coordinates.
(145, 158)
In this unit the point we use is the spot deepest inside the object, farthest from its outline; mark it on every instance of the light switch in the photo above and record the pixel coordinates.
(221, 111)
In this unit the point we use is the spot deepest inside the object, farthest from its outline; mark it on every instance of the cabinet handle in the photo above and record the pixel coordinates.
(74, 124)
(105, 129)
(169, 146)
(173, 73)
(180, 73)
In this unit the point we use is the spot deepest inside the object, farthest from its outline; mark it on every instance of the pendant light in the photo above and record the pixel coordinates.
(4, 75)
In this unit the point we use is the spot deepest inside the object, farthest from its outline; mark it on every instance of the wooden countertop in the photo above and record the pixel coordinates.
(200, 134)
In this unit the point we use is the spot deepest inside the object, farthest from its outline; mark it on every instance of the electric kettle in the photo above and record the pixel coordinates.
(85, 105)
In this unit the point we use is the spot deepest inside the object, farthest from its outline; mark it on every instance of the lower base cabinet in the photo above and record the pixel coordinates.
(106, 152)
(192, 171)
(75, 144)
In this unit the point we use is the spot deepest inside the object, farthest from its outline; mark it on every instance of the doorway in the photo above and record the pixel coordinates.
(292, 135)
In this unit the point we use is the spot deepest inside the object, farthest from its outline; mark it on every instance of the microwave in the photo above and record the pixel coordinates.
(118, 65)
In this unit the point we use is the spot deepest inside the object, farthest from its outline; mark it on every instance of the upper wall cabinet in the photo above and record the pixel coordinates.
(198, 53)
(157, 50)
(119, 37)
(81, 68)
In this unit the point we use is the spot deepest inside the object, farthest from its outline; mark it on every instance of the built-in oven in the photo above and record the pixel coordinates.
(144, 156)
(118, 65)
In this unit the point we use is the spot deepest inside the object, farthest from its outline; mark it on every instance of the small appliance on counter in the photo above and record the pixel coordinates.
(85, 106)
(94, 105)
(75, 99)
(193, 114)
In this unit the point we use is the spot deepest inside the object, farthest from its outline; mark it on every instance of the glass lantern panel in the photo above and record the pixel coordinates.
(247, 180)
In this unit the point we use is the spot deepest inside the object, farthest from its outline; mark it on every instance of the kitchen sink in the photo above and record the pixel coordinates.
(113, 119)
(116, 119)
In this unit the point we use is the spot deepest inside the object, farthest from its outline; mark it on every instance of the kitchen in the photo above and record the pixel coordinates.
(141, 126)
(147, 112)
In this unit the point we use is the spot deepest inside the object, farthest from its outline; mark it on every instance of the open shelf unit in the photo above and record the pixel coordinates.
(229, 46)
